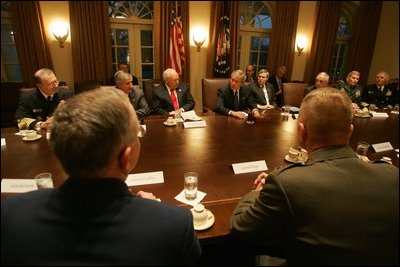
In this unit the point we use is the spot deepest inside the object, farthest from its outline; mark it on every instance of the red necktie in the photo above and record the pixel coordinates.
(174, 101)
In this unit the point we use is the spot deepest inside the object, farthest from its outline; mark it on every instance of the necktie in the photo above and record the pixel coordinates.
(49, 98)
(174, 100)
(236, 101)
(266, 94)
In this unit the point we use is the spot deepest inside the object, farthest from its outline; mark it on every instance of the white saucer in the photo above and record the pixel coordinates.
(33, 139)
(363, 116)
(210, 221)
(167, 124)
(291, 160)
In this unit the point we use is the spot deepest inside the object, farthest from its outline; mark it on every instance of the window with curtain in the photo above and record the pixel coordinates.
(131, 24)
(342, 42)
(10, 67)
(254, 34)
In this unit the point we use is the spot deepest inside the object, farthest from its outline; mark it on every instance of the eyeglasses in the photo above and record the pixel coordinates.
(142, 131)
(53, 84)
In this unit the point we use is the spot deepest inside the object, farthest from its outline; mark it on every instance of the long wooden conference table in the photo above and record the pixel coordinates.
(209, 151)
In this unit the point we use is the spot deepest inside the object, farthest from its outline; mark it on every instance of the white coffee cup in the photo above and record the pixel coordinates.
(31, 135)
(44, 180)
(170, 120)
(294, 153)
(199, 214)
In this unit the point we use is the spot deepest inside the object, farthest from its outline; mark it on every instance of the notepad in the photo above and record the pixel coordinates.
(145, 178)
(382, 147)
(18, 185)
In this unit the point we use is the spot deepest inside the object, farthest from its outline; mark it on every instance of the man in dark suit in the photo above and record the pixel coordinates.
(263, 92)
(250, 75)
(93, 218)
(380, 94)
(40, 103)
(277, 81)
(125, 68)
(322, 80)
(234, 99)
(123, 81)
(172, 96)
(335, 209)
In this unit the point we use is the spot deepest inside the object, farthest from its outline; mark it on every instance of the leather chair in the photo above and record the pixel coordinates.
(148, 86)
(209, 88)
(10, 92)
(27, 90)
(293, 93)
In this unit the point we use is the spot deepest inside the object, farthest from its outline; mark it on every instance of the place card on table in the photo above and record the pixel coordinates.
(382, 147)
(145, 178)
(194, 124)
(18, 185)
(251, 166)
(3, 142)
(380, 114)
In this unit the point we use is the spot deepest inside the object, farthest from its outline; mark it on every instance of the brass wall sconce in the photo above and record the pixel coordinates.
(300, 44)
(198, 39)
(60, 32)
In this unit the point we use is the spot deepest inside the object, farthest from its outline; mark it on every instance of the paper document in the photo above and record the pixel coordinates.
(145, 178)
(17, 185)
(181, 197)
(190, 116)
(194, 124)
(3, 142)
(382, 147)
(252, 166)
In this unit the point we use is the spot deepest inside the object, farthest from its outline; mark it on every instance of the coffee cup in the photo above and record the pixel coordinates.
(199, 214)
(170, 120)
(294, 153)
(30, 135)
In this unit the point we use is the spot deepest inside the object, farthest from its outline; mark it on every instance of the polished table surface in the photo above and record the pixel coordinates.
(209, 151)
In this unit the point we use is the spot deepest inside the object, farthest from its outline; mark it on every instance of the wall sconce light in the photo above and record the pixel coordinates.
(60, 32)
(198, 39)
(300, 44)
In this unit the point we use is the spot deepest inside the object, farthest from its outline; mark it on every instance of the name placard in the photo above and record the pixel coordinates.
(380, 114)
(194, 124)
(145, 178)
(251, 166)
(3, 142)
(17, 185)
(382, 147)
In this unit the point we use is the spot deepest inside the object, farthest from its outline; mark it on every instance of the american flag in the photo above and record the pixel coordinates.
(176, 59)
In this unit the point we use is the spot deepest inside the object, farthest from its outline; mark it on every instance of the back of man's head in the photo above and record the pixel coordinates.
(327, 116)
(91, 128)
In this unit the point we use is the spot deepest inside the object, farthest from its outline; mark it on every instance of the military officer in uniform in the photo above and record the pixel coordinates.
(334, 209)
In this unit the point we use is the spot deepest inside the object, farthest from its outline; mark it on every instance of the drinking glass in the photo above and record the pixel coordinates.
(190, 185)
(286, 110)
(44, 180)
(362, 148)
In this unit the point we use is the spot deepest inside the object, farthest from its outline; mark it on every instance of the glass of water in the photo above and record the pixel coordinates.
(190, 185)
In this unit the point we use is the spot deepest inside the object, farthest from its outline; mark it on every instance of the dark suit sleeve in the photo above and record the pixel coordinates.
(135, 80)
(187, 99)
(156, 101)
(221, 99)
(24, 109)
(142, 109)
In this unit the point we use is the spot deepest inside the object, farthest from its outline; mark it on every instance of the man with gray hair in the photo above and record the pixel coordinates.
(93, 218)
(380, 93)
(123, 82)
(334, 209)
(40, 103)
(322, 80)
(172, 96)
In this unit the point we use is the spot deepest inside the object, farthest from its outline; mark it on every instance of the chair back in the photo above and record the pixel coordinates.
(10, 92)
(293, 93)
(148, 86)
(209, 88)
(25, 90)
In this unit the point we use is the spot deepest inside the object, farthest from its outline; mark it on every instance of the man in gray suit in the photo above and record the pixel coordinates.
(172, 96)
(333, 210)
(123, 81)
(93, 218)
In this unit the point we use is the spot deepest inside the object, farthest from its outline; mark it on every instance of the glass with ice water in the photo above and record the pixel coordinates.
(190, 185)
(44, 180)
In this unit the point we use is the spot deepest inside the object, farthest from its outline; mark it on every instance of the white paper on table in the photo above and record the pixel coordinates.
(251, 166)
(3, 142)
(397, 150)
(194, 124)
(380, 114)
(190, 115)
(145, 178)
(382, 147)
(18, 185)
(181, 197)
